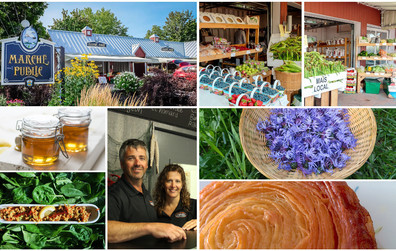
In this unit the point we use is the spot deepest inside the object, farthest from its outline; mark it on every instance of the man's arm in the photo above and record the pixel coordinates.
(122, 231)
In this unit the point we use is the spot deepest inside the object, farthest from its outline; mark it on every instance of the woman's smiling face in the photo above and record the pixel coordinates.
(173, 184)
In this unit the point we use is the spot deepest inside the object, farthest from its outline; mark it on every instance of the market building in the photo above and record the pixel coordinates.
(361, 36)
(114, 54)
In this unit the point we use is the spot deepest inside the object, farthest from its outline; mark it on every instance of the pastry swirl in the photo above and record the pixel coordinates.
(283, 214)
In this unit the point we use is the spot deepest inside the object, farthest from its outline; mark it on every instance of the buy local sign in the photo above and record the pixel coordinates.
(27, 61)
(320, 84)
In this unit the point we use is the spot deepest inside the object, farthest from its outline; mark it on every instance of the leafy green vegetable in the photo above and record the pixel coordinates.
(316, 65)
(20, 195)
(43, 195)
(53, 188)
(289, 49)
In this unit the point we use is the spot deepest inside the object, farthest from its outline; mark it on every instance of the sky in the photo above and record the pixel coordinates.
(137, 16)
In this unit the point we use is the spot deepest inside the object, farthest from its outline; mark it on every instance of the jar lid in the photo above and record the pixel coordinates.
(41, 121)
(74, 112)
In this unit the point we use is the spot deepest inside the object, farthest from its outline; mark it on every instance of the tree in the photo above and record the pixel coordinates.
(102, 22)
(12, 14)
(179, 26)
(157, 31)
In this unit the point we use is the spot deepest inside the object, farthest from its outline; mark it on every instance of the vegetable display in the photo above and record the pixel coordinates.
(309, 140)
(48, 189)
(289, 66)
(289, 49)
(316, 65)
(252, 67)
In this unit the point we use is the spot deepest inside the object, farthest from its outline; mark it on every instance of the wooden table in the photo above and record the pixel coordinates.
(10, 159)
(329, 98)
(150, 242)
(362, 75)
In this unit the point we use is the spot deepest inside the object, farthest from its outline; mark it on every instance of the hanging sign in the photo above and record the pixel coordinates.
(27, 61)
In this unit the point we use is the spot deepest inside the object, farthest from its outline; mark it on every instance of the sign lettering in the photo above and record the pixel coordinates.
(26, 61)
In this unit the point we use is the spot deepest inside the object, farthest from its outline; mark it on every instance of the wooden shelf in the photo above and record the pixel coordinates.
(232, 26)
(379, 44)
(361, 76)
(227, 26)
(228, 55)
(346, 58)
(377, 58)
(333, 45)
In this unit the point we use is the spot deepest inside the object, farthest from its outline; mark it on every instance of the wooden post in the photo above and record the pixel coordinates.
(334, 98)
(325, 100)
(309, 101)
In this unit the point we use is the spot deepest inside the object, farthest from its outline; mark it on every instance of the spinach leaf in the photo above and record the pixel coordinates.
(81, 232)
(27, 174)
(9, 237)
(43, 194)
(35, 241)
(12, 182)
(20, 196)
(76, 189)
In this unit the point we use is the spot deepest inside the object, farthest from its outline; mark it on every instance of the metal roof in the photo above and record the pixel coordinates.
(75, 43)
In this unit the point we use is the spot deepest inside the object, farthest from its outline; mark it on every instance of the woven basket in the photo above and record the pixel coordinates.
(362, 125)
(291, 81)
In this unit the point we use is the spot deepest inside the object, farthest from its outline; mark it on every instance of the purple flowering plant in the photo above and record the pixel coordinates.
(311, 140)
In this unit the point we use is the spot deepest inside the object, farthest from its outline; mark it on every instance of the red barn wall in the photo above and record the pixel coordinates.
(347, 10)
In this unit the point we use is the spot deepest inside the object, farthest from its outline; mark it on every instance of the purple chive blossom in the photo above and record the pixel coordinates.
(309, 140)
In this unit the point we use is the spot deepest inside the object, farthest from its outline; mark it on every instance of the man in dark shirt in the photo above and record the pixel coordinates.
(131, 208)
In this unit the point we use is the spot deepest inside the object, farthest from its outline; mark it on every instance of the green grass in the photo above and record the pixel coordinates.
(222, 157)
(382, 162)
(221, 153)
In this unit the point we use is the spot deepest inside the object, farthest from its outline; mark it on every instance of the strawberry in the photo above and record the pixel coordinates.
(243, 104)
(233, 101)
(234, 96)
(253, 100)
(259, 103)
(251, 104)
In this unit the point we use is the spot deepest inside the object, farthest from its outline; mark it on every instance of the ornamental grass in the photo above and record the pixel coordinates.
(101, 96)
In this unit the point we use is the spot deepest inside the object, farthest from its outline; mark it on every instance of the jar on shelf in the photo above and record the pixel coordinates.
(41, 140)
(75, 122)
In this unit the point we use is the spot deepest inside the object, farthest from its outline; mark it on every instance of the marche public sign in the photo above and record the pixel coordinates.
(27, 61)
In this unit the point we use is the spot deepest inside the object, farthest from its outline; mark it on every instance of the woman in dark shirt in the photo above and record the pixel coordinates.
(172, 199)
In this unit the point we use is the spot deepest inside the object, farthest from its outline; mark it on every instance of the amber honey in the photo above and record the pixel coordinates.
(40, 151)
(76, 138)
(75, 122)
(41, 138)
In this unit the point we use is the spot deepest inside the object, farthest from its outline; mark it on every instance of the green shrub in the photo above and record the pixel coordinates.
(82, 73)
(3, 100)
(127, 82)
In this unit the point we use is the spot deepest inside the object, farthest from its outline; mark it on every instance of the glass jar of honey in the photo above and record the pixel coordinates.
(75, 122)
(41, 140)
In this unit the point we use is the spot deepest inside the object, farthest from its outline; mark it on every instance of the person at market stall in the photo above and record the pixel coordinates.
(172, 199)
(131, 208)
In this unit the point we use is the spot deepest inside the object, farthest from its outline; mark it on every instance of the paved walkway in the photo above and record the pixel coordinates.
(365, 99)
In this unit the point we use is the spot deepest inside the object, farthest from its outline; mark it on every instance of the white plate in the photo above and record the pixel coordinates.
(379, 198)
(91, 208)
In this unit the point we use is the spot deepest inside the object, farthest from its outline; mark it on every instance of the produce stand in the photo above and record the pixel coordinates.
(219, 87)
(325, 86)
(232, 54)
(362, 75)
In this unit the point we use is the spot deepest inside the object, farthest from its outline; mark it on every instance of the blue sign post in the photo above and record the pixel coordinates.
(27, 61)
